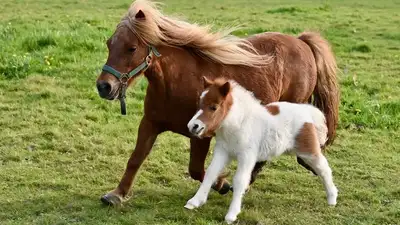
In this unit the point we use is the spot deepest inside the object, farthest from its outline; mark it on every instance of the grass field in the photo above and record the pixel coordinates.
(62, 147)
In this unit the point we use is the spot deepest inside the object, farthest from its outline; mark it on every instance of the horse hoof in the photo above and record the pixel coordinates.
(226, 187)
(111, 199)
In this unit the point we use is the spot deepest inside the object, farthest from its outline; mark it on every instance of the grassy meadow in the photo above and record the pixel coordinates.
(62, 147)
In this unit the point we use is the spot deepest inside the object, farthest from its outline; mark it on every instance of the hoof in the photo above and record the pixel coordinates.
(230, 219)
(226, 187)
(195, 202)
(189, 206)
(111, 199)
(332, 200)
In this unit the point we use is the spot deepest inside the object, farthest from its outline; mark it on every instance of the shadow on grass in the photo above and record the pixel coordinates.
(147, 206)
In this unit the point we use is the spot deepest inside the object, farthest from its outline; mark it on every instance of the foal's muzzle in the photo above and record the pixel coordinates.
(196, 127)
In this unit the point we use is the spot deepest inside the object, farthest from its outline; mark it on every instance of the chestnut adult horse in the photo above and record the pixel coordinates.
(174, 55)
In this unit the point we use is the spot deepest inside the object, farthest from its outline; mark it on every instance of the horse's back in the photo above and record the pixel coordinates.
(283, 45)
(293, 61)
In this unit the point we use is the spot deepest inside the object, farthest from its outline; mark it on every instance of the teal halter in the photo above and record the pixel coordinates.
(124, 77)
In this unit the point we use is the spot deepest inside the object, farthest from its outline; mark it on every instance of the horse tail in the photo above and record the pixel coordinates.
(326, 93)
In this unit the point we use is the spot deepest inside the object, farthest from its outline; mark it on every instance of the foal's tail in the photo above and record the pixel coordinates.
(326, 93)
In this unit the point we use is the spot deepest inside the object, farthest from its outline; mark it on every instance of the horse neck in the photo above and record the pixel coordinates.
(174, 86)
(176, 62)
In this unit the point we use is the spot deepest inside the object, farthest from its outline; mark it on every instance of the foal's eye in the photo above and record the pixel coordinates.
(132, 49)
(213, 108)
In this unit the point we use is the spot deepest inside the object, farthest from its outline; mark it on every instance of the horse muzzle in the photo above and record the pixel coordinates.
(105, 90)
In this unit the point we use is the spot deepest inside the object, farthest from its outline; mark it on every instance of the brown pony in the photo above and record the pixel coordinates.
(175, 55)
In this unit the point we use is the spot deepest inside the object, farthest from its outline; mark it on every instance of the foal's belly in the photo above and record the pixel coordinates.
(275, 146)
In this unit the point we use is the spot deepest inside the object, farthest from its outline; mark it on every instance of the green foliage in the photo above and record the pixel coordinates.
(62, 147)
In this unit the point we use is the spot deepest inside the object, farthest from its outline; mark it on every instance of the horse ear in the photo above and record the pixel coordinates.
(140, 15)
(207, 82)
(225, 89)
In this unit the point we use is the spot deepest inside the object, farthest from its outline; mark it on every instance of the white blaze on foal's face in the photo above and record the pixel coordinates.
(195, 125)
(215, 103)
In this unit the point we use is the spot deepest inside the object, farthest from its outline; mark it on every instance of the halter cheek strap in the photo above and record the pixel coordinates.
(124, 77)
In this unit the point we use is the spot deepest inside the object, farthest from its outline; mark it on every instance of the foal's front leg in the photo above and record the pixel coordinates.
(241, 181)
(218, 162)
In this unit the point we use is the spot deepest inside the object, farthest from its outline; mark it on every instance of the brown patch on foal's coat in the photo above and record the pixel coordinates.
(273, 109)
(307, 140)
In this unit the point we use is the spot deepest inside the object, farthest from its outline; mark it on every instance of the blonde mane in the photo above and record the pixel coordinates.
(158, 29)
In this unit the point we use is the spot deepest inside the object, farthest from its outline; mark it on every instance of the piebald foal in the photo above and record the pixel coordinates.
(250, 132)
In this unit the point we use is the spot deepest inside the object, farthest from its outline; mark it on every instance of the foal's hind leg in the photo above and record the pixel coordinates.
(305, 165)
(309, 150)
(321, 167)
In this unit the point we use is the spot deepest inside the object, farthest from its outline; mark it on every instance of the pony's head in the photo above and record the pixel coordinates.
(215, 103)
(145, 27)
(125, 53)
(129, 54)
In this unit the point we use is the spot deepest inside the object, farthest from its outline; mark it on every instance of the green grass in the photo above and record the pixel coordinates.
(62, 147)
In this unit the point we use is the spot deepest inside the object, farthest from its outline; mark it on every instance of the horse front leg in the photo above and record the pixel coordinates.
(198, 152)
(147, 135)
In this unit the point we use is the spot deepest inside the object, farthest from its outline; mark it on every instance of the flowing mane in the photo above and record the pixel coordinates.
(221, 47)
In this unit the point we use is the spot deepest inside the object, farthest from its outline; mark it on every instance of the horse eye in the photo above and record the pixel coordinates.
(132, 49)
(213, 108)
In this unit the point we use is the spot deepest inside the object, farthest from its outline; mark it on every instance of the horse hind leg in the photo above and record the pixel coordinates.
(309, 151)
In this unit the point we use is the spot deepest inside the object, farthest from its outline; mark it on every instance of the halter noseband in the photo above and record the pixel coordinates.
(124, 77)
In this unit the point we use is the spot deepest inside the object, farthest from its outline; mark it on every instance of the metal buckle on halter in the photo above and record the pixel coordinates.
(148, 59)
(124, 78)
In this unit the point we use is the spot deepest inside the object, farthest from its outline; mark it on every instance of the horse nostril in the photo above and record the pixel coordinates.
(195, 126)
(104, 88)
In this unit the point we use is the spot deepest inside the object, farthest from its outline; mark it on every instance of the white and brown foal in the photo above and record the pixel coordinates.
(250, 132)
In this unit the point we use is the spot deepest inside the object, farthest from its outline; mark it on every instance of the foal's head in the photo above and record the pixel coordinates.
(215, 102)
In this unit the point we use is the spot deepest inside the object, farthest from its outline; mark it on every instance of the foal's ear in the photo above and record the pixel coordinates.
(225, 89)
(207, 82)
(140, 15)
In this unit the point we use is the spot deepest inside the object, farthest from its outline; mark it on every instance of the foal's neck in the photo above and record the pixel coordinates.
(244, 107)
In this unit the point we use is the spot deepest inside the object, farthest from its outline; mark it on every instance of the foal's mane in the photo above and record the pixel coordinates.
(221, 47)
(241, 93)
